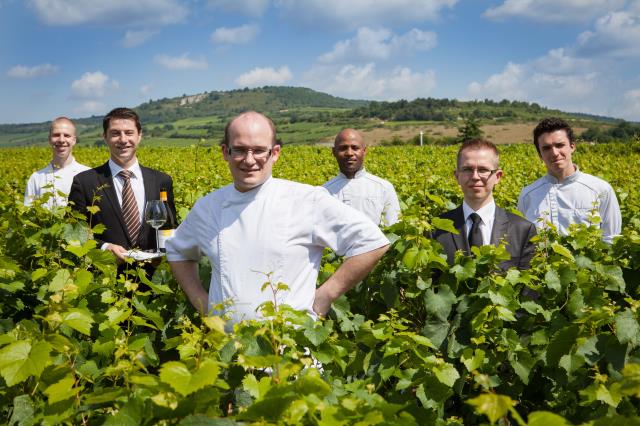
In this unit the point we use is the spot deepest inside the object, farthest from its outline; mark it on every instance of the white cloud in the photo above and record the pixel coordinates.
(264, 77)
(559, 61)
(615, 34)
(365, 82)
(113, 12)
(92, 85)
(567, 87)
(134, 38)
(91, 108)
(253, 8)
(552, 10)
(379, 44)
(21, 71)
(357, 13)
(145, 89)
(235, 35)
(183, 62)
(630, 108)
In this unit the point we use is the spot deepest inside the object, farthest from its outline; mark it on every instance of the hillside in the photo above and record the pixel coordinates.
(306, 116)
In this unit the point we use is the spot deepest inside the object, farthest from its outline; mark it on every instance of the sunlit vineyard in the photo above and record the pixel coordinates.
(417, 342)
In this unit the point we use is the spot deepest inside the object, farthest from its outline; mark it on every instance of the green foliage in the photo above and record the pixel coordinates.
(470, 129)
(417, 342)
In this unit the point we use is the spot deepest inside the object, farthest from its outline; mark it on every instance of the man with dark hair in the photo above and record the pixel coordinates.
(57, 176)
(121, 187)
(354, 186)
(262, 229)
(566, 195)
(478, 220)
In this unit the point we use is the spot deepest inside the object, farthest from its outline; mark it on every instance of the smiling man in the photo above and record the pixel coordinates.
(261, 229)
(121, 187)
(57, 176)
(566, 195)
(354, 186)
(478, 220)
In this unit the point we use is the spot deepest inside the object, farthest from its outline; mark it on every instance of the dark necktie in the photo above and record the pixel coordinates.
(475, 235)
(130, 207)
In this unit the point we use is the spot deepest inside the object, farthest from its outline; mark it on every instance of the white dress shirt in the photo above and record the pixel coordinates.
(488, 215)
(571, 201)
(137, 185)
(52, 179)
(370, 194)
(274, 232)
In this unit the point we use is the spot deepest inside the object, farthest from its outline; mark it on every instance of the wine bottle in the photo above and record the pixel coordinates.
(166, 231)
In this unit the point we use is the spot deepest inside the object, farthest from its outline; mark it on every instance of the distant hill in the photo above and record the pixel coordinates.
(301, 114)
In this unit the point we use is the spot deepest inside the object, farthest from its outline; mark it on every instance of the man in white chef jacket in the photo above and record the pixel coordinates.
(566, 195)
(261, 228)
(370, 194)
(57, 176)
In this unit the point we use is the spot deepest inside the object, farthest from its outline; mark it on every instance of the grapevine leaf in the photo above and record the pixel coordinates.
(79, 319)
(627, 328)
(178, 376)
(492, 405)
(545, 418)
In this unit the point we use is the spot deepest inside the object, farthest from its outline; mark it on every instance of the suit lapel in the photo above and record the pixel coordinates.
(105, 180)
(460, 241)
(500, 226)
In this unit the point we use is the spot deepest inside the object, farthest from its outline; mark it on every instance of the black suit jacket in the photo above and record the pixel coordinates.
(516, 231)
(98, 182)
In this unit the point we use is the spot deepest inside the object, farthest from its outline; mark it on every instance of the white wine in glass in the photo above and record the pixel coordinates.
(155, 214)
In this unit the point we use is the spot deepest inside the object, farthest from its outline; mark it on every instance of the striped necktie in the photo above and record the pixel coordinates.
(130, 207)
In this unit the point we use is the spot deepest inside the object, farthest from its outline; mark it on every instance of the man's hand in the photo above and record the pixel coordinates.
(352, 270)
(118, 251)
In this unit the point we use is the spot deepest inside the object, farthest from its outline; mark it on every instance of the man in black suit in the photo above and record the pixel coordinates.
(120, 188)
(478, 220)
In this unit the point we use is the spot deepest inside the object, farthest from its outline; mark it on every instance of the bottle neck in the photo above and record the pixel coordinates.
(163, 196)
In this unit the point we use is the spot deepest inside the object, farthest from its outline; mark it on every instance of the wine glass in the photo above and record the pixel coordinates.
(155, 215)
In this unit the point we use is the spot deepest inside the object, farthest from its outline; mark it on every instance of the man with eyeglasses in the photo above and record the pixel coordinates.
(478, 220)
(262, 229)
(354, 186)
(565, 195)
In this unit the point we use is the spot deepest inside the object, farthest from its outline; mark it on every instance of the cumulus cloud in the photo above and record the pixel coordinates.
(567, 86)
(630, 108)
(113, 12)
(92, 85)
(379, 44)
(91, 108)
(357, 13)
(235, 35)
(253, 8)
(265, 77)
(21, 71)
(366, 82)
(134, 38)
(183, 62)
(552, 10)
(145, 89)
(615, 34)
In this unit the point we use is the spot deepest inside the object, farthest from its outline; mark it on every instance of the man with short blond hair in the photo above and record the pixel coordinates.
(567, 195)
(57, 176)
(354, 186)
(478, 220)
(260, 229)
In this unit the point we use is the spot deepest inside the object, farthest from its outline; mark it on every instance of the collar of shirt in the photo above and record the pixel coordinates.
(359, 174)
(237, 197)
(135, 169)
(54, 168)
(569, 179)
(487, 213)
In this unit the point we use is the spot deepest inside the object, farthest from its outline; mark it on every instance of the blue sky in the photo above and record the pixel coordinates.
(78, 58)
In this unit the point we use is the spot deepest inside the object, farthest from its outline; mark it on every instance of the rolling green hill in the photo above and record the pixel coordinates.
(302, 116)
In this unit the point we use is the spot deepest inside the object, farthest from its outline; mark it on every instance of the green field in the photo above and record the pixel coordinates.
(417, 343)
